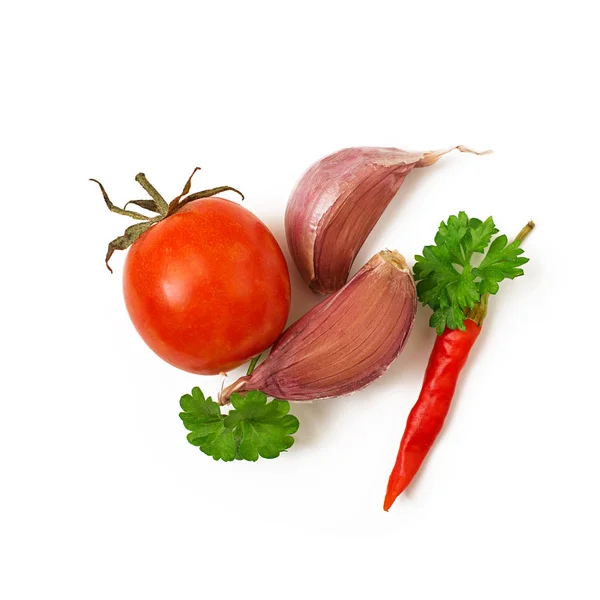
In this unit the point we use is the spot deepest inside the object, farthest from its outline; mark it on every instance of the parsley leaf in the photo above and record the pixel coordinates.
(446, 280)
(447, 290)
(450, 317)
(203, 418)
(502, 261)
(452, 235)
(480, 234)
(254, 428)
(262, 429)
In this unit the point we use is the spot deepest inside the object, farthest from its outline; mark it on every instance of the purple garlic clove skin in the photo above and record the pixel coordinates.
(337, 202)
(345, 342)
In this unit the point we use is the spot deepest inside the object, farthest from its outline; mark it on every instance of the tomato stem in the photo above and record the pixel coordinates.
(156, 205)
(161, 203)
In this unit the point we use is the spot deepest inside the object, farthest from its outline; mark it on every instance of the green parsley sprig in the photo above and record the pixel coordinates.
(254, 428)
(449, 283)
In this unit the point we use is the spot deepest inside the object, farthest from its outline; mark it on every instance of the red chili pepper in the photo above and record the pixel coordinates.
(427, 416)
(456, 242)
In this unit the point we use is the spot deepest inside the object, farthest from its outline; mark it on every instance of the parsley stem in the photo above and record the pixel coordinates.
(478, 312)
(252, 364)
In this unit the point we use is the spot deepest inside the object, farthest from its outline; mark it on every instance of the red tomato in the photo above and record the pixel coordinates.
(207, 288)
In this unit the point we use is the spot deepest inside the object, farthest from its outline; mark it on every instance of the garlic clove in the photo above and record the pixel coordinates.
(337, 202)
(345, 342)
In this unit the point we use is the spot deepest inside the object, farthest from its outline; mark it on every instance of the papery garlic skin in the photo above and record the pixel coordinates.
(345, 342)
(337, 202)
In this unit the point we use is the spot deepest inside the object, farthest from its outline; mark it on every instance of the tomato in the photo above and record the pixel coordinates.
(208, 288)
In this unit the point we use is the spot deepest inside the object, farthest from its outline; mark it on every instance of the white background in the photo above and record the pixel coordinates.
(102, 495)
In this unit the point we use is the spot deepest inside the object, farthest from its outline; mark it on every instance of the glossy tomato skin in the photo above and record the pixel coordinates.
(208, 288)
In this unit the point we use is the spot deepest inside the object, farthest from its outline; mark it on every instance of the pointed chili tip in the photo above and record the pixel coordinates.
(394, 489)
(389, 500)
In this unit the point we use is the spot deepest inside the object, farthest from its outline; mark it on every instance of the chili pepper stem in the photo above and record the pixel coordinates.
(479, 311)
(525, 231)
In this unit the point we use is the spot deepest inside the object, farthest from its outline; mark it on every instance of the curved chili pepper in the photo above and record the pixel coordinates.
(427, 416)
